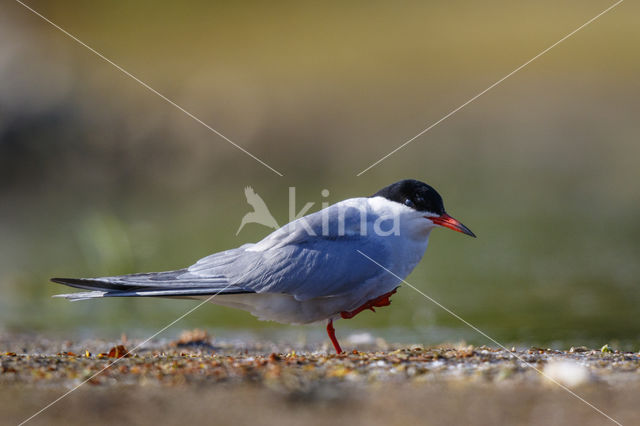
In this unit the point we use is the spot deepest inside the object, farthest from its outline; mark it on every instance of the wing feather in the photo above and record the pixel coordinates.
(314, 256)
(304, 259)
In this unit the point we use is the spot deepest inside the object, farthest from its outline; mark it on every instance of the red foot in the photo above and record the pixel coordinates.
(332, 335)
(378, 302)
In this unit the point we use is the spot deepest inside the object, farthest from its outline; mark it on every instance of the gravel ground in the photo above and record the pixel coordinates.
(202, 380)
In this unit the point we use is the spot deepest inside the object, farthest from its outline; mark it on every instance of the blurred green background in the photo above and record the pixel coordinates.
(101, 177)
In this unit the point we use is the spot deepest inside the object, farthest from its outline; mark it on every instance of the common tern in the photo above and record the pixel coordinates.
(327, 265)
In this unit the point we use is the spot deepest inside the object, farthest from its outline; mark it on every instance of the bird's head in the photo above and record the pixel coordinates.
(425, 201)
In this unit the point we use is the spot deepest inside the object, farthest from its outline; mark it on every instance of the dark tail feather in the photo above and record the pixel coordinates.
(155, 284)
(91, 283)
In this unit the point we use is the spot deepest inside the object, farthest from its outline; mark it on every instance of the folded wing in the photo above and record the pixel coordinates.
(315, 256)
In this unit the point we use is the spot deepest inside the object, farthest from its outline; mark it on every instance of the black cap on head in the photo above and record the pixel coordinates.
(415, 194)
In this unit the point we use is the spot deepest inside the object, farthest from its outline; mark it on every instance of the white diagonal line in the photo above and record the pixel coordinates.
(494, 341)
(151, 89)
(208, 299)
(490, 87)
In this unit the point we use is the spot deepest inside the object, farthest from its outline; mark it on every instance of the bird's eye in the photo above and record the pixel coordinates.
(409, 203)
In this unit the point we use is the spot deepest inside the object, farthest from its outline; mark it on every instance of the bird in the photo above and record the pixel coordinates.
(260, 213)
(331, 264)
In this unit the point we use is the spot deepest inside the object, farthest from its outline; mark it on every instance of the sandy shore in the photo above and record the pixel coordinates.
(200, 380)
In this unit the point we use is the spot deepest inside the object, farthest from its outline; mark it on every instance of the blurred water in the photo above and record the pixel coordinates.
(100, 177)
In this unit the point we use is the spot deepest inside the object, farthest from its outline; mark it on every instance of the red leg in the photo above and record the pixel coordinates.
(378, 302)
(332, 335)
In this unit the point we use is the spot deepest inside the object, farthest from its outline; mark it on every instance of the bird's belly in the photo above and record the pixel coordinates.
(284, 308)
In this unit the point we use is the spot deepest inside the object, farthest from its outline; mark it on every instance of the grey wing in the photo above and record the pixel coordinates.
(291, 261)
(313, 269)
